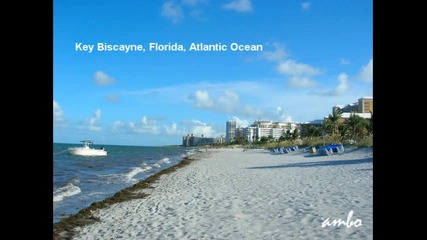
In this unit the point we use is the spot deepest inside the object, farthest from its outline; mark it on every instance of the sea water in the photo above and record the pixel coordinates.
(79, 181)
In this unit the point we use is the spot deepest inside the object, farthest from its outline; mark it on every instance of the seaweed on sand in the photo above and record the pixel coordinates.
(64, 229)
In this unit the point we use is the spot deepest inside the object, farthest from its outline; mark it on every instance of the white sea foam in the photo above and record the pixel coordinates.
(132, 173)
(191, 152)
(112, 178)
(66, 191)
(164, 160)
(159, 163)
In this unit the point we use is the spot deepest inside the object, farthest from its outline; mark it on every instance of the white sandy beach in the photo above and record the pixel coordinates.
(250, 195)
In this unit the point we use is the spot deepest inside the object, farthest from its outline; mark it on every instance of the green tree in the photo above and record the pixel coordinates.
(264, 139)
(240, 140)
(370, 124)
(255, 139)
(313, 131)
(295, 134)
(356, 126)
(332, 123)
(288, 135)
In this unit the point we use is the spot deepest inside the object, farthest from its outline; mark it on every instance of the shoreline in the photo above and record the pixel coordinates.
(230, 193)
(64, 229)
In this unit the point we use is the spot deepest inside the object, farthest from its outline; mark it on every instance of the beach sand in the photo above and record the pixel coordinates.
(253, 194)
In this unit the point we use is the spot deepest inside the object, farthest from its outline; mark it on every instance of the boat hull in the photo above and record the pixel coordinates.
(87, 151)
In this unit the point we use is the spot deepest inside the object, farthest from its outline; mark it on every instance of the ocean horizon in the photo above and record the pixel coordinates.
(78, 181)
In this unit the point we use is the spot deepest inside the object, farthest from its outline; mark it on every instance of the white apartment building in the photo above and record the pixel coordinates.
(262, 129)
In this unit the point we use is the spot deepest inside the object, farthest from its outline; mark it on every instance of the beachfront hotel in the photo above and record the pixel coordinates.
(364, 107)
(192, 140)
(275, 130)
(259, 129)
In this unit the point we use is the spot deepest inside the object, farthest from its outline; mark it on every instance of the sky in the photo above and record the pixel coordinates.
(301, 59)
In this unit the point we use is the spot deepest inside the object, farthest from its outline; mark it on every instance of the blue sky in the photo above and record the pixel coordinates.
(315, 55)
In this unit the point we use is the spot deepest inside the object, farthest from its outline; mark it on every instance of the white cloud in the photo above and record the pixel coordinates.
(299, 73)
(301, 82)
(112, 98)
(144, 126)
(276, 55)
(197, 14)
(102, 79)
(282, 115)
(367, 72)
(228, 101)
(206, 131)
(256, 99)
(240, 122)
(239, 5)
(200, 128)
(202, 99)
(198, 123)
(93, 126)
(343, 84)
(292, 68)
(57, 112)
(244, 98)
(344, 61)
(248, 110)
(305, 5)
(174, 130)
(172, 11)
(58, 115)
(341, 88)
(192, 2)
(117, 125)
(267, 99)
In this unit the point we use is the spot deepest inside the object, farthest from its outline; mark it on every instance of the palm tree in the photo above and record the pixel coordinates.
(313, 131)
(295, 134)
(370, 124)
(333, 121)
(264, 139)
(356, 125)
(288, 135)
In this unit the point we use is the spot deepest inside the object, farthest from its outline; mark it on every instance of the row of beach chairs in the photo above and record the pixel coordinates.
(331, 149)
(282, 150)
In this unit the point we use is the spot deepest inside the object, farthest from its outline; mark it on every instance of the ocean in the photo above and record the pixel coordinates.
(79, 181)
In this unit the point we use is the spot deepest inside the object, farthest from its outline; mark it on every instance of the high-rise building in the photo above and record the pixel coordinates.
(366, 105)
(190, 140)
(230, 131)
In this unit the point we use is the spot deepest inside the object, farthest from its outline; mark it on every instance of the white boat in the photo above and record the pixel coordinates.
(87, 151)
